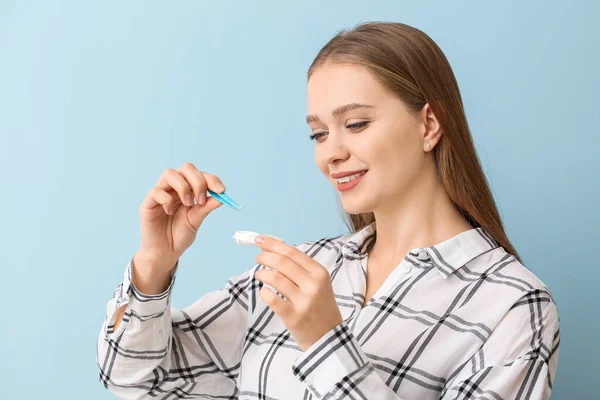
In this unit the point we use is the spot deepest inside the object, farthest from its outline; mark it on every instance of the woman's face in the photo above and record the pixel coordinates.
(381, 136)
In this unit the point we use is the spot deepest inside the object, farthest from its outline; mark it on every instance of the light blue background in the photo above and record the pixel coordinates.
(98, 98)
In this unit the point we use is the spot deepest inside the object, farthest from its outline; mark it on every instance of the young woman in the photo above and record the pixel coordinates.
(426, 298)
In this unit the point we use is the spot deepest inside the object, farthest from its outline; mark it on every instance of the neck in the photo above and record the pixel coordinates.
(421, 217)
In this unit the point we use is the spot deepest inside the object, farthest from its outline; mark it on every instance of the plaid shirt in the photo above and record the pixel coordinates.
(462, 319)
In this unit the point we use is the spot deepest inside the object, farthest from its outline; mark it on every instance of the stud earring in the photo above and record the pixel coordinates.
(428, 145)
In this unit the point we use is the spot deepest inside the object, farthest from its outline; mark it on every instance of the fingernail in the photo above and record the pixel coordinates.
(202, 199)
(259, 239)
(220, 187)
(188, 200)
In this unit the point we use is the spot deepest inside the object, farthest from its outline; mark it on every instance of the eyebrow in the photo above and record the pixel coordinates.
(339, 111)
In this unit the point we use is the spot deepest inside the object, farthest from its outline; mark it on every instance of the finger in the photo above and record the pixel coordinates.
(195, 180)
(279, 306)
(200, 181)
(214, 182)
(171, 179)
(289, 251)
(285, 266)
(279, 282)
(159, 197)
(197, 214)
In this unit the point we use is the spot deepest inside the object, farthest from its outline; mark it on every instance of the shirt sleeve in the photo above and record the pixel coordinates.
(520, 357)
(336, 367)
(158, 351)
(518, 361)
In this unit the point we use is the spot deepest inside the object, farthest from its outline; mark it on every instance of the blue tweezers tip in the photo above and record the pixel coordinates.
(225, 199)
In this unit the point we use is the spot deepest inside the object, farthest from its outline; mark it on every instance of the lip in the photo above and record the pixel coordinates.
(338, 175)
(342, 187)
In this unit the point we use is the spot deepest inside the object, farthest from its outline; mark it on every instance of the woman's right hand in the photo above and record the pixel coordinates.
(170, 219)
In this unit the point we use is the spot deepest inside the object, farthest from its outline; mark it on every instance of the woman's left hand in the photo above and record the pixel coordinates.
(309, 310)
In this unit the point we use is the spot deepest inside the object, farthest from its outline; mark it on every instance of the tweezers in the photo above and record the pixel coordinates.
(225, 199)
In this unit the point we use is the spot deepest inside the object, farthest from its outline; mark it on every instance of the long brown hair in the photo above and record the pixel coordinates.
(412, 66)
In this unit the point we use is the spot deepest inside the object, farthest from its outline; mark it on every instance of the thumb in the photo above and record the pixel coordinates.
(198, 212)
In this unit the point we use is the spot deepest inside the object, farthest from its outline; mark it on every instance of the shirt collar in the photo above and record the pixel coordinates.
(447, 257)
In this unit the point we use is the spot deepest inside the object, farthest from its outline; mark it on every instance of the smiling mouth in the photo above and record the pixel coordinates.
(350, 177)
(350, 184)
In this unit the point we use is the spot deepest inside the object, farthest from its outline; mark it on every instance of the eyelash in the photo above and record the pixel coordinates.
(357, 125)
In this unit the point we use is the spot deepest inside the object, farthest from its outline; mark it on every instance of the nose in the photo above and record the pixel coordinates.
(334, 150)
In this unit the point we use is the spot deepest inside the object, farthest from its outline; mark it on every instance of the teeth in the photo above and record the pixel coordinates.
(350, 177)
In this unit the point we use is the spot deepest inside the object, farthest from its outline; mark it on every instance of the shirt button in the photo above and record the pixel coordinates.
(407, 269)
(423, 255)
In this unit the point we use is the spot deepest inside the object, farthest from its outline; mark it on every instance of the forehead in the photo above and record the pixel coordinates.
(334, 84)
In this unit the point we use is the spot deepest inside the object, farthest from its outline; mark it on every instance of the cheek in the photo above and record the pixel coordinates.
(396, 161)
(404, 167)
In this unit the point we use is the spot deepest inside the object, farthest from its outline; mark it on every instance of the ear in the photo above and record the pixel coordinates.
(433, 126)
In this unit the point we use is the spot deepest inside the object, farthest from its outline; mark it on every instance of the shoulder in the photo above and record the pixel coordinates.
(503, 269)
(532, 319)
(530, 296)
(513, 303)
(537, 294)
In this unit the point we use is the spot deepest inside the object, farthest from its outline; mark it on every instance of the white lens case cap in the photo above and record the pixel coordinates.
(247, 237)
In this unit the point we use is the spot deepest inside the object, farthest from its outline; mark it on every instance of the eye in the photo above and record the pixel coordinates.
(358, 125)
(317, 135)
(355, 126)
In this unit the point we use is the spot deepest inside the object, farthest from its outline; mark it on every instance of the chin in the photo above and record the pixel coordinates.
(355, 206)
